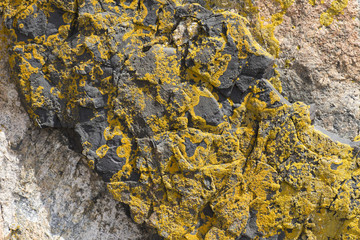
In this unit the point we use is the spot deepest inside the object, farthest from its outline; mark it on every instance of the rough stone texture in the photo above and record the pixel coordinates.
(46, 190)
(49, 193)
(169, 103)
(320, 65)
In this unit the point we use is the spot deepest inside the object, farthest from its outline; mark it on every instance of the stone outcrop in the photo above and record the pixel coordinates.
(176, 106)
(319, 65)
(47, 192)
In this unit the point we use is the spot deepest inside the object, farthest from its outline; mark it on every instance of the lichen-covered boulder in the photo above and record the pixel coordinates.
(172, 104)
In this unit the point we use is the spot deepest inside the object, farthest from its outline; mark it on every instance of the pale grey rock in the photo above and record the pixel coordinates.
(337, 103)
(320, 65)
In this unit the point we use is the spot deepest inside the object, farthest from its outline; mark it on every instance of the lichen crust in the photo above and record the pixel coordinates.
(177, 106)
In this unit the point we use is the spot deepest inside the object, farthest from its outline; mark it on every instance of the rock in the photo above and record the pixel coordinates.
(317, 64)
(185, 127)
(47, 191)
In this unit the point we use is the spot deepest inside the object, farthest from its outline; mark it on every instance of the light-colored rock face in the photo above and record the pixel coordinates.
(320, 65)
(41, 197)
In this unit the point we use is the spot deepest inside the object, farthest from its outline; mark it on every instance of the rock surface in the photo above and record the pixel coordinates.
(169, 104)
(46, 190)
(319, 65)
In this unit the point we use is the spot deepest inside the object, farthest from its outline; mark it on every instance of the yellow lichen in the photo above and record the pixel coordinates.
(196, 178)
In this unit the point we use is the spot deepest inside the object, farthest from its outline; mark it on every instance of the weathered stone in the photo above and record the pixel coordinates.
(317, 64)
(46, 190)
(185, 126)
